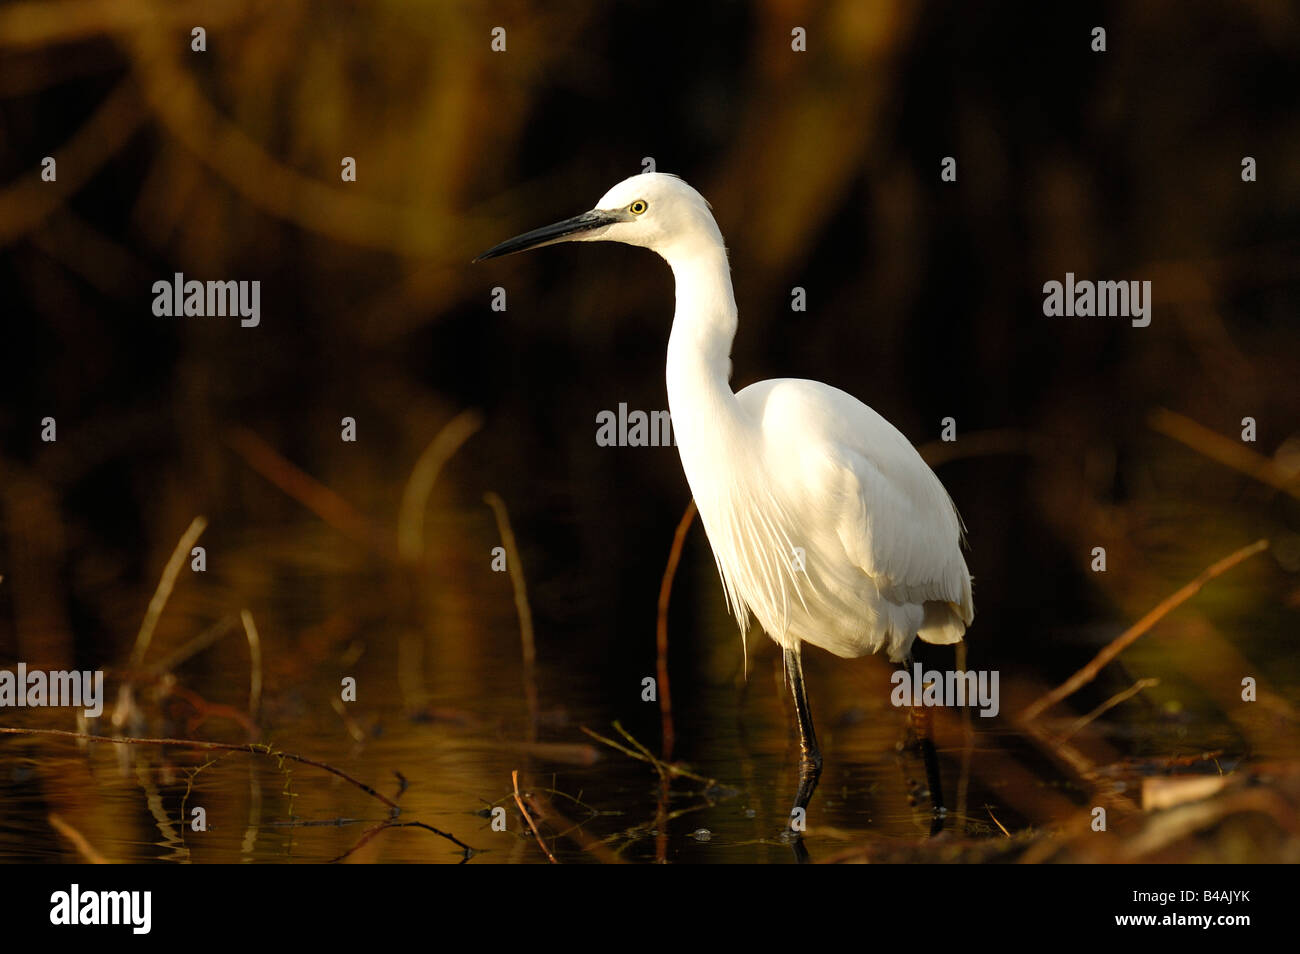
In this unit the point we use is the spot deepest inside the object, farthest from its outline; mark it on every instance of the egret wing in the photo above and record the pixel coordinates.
(894, 518)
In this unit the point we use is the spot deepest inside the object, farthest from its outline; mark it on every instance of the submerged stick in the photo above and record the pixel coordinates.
(1228, 452)
(154, 612)
(254, 664)
(515, 567)
(988, 808)
(415, 496)
(642, 754)
(308, 491)
(1130, 635)
(191, 648)
(545, 810)
(528, 818)
(661, 631)
(164, 589)
(1109, 704)
(254, 748)
(79, 841)
(383, 826)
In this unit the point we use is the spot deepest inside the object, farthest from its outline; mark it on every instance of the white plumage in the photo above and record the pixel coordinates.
(825, 522)
(792, 473)
(879, 534)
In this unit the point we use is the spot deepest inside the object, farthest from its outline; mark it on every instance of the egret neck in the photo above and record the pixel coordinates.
(700, 398)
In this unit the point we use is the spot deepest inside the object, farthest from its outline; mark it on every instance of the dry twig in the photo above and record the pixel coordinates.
(528, 818)
(1130, 635)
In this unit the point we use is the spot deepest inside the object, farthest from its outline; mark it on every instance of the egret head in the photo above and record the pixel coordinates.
(654, 210)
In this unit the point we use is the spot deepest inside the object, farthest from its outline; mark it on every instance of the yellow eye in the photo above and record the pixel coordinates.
(637, 207)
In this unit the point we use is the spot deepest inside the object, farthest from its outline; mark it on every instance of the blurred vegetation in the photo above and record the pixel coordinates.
(823, 170)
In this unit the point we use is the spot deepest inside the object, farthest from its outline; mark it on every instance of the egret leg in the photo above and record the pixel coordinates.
(921, 722)
(810, 757)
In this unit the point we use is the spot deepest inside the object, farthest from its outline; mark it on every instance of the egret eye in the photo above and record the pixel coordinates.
(637, 207)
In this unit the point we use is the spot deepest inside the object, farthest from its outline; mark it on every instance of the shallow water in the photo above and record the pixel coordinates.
(457, 757)
(441, 718)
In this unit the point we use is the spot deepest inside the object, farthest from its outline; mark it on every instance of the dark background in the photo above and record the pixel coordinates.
(924, 300)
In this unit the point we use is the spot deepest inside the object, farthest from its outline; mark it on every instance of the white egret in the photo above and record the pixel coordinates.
(825, 522)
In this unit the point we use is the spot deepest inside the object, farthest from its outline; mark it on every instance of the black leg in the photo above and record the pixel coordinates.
(810, 757)
(921, 725)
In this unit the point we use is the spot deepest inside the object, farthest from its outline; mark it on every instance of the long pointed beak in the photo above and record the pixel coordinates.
(570, 230)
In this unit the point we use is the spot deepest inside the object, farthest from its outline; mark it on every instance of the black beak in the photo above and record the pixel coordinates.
(550, 234)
